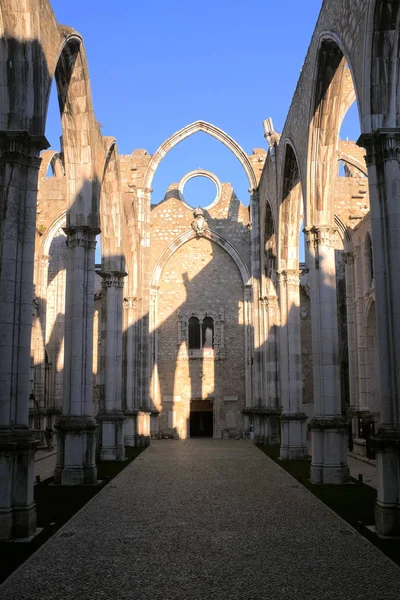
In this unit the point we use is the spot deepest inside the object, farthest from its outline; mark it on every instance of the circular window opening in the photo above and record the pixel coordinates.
(199, 191)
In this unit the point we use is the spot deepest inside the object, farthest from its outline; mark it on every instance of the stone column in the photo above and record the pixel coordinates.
(38, 342)
(248, 340)
(351, 329)
(328, 428)
(270, 401)
(383, 161)
(19, 166)
(144, 201)
(76, 441)
(359, 319)
(131, 406)
(111, 415)
(257, 388)
(293, 418)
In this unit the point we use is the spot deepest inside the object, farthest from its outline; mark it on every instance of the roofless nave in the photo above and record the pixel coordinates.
(200, 323)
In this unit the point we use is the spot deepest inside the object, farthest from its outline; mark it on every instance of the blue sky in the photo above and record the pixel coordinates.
(157, 66)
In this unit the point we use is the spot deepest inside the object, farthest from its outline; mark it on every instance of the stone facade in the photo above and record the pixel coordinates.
(200, 279)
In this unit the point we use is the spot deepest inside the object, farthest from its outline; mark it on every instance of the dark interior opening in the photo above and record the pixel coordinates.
(201, 418)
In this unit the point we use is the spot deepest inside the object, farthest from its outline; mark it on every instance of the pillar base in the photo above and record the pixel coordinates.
(17, 472)
(293, 436)
(328, 451)
(76, 447)
(387, 507)
(143, 428)
(112, 439)
(130, 429)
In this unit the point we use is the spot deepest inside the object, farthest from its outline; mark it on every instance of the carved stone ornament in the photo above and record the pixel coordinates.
(199, 225)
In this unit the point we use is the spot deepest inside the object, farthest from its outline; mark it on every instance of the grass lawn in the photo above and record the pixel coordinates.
(353, 502)
(55, 505)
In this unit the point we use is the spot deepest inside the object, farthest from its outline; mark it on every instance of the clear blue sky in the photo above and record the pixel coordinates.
(157, 66)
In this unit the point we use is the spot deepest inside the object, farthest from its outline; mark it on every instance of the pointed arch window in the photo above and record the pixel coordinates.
(194, 337)
(202, 334)
(207, 337)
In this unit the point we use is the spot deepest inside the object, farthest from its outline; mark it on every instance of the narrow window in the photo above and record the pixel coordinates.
(208, 333)
(194, 333)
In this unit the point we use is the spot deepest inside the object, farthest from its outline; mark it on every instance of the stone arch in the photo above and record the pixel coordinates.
(209, 235)
(330, 98)
(289, 210)
(351, 160)
(80, 131)
(53, 159)
(186, 132)
(111, 212)
(47, 238)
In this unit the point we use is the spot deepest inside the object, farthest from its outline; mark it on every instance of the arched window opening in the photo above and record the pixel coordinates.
(270, 244)
(369, 261)
(194, 334)
(208, 333)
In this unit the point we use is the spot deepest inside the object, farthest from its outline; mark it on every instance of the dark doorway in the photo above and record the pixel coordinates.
(201, 418)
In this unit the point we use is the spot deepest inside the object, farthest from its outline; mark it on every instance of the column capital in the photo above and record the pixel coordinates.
(81, 236)
(269, 302)
(22, 147)
(381, 145)
(289, 277)
(348, 258)
(113, 278)
(321, 235)
(129, 303)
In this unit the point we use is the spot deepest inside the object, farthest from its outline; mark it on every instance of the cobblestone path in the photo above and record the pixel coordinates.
(202, 519)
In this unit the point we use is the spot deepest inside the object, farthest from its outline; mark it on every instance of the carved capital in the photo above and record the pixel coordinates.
(80, 237)
(289, 277)
(381, 146)
(321, 235)
(113, 279)
(22, 147)
(269, 302)
(129, 303)
(348, 258)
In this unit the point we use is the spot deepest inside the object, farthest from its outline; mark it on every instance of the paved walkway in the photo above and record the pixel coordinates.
(366, 469)
(205, 520)
(45, 463)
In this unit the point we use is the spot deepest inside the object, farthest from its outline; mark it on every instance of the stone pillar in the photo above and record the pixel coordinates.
(351, 329)
(248, 340)
(328, 427)
(293, 418)
(383, 161)
(38, 342)
(270, 400)
(144, 200)
(256, 375)
(19, 166)
(76, 440)
(359, 319)
(111, 415)
(131, 407)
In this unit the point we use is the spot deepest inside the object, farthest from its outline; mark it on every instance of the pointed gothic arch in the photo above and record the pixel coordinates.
(186, 132)
(210, 235)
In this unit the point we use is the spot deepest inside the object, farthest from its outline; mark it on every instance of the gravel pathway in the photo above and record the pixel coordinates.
(202, 519)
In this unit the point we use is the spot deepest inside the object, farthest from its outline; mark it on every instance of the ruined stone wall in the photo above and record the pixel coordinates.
(200, 277)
